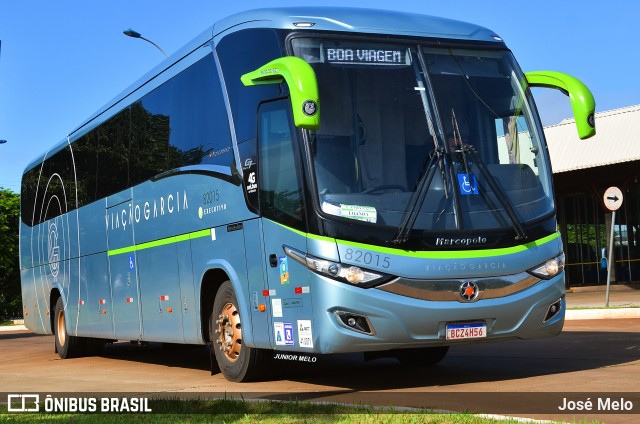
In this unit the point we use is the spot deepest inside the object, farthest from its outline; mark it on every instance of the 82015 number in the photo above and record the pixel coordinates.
(367, 258)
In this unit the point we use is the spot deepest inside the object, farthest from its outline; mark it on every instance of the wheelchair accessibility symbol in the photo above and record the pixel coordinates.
(468, 184)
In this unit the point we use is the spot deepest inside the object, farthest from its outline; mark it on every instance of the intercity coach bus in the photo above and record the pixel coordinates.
(305, 180)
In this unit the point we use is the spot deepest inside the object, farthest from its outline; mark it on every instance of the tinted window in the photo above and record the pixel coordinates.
(85, 153)
(199, 124)
(243, 52)
(28, 194)
(112, 140)
(57, 183)
(280, 189)
(51, 193)
(150, 119)
(183, 122)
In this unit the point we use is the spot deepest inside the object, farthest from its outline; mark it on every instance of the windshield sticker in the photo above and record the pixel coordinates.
(361, 213)
(468, 184)
(283, 265)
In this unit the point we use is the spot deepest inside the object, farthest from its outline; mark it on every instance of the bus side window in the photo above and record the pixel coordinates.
(243, 52)
(112, 143)
(279, 180)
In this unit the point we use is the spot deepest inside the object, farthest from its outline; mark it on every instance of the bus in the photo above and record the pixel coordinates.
(308, 181)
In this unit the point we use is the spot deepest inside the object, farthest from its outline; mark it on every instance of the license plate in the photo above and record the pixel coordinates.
(467, 330)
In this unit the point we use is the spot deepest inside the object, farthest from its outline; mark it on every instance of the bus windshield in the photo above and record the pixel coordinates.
(444, 134)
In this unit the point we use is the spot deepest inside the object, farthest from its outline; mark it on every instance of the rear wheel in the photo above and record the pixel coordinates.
(236, 361)
(421, 357)
(67, 346)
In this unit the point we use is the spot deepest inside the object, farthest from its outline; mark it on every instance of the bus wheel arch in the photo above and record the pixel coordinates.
(221, 310)
(53, 300)
(211, 282)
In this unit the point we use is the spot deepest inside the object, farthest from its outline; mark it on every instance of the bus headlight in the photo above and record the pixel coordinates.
(549, 269)
(342, 272)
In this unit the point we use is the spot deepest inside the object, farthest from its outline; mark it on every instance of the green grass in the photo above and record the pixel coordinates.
(243, 412)
(4, 322)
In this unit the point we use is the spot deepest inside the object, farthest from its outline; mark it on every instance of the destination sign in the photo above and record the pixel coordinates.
(366, 56)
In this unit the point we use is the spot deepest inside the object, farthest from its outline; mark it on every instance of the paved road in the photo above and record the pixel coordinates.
(597, 358)
(620, 296)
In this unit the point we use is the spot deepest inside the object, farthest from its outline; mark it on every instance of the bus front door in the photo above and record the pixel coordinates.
(289, 294)
(281, 203)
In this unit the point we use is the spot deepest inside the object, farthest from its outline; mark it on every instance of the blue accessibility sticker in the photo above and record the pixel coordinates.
(288, 334)
(468, 184)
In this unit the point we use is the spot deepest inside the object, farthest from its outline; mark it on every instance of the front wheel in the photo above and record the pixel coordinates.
(67, 346)
(236, 361)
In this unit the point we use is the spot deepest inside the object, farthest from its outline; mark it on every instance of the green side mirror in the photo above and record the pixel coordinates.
(582, 101)
(303, 87)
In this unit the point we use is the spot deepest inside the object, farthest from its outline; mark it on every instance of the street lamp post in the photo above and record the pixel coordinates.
(134, 34)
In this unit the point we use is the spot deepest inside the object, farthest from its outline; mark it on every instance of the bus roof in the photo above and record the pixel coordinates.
(324, 19)
(341, 19)
(356, 20)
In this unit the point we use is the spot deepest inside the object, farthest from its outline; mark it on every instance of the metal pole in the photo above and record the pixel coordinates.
(610, 261)
(159, 48)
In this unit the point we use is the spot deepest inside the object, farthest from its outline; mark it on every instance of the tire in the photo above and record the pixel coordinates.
(236, 361)
(67, 346)
(421, 357)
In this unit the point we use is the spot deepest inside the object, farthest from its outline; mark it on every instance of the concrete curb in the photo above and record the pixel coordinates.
(620, 313)
(7, 328)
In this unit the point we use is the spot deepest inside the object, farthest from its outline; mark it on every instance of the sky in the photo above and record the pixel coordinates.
(62, 61)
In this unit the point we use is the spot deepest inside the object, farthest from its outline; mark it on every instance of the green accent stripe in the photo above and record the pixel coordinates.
(455, 254)
(161, 242)
(449, 254)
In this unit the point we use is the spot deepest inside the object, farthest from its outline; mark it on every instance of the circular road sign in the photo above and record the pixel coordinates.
(613, 198)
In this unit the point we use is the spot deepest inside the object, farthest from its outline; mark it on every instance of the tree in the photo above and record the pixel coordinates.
(10, 300)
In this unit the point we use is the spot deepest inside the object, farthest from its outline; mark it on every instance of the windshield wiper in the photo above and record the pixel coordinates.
(467, 149)
(418, 197)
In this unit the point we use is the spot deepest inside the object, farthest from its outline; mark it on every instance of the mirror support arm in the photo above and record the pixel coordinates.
(582, 101)
(303, 87)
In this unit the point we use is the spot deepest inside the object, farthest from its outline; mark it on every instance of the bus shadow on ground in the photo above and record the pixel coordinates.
(473, 363)
(170, 355)
(470, 363)
(17, 335)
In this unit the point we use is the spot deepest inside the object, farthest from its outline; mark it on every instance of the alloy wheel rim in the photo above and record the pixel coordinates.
(229, 332)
